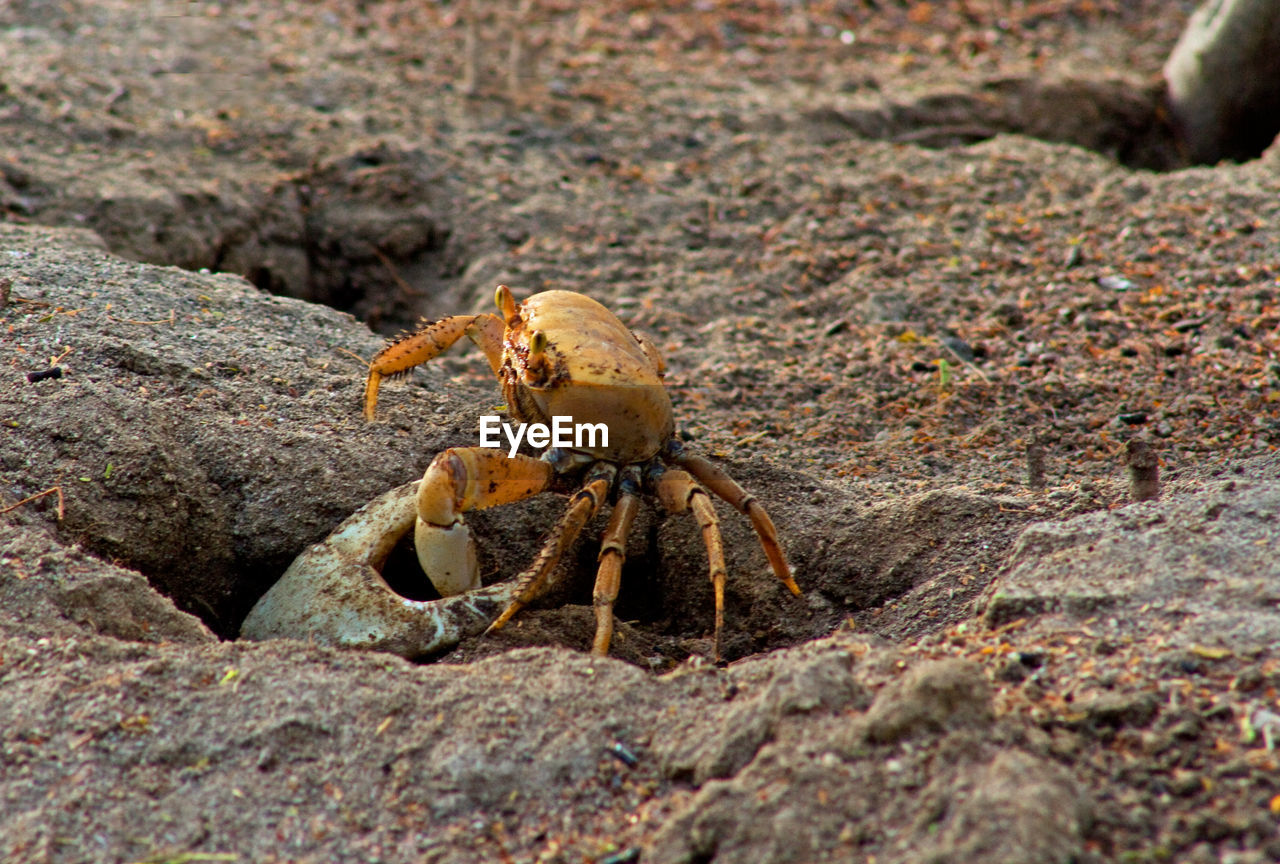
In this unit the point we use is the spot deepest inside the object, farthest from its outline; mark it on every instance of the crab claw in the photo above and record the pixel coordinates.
(334, 594)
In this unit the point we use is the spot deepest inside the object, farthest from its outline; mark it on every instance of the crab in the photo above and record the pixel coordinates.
(557, 354)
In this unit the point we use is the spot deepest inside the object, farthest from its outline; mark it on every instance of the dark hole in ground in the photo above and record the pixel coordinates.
(368, 234)
(1121, 121)
(1254, 134)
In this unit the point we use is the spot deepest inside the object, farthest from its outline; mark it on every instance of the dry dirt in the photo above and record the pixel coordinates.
(920, 271)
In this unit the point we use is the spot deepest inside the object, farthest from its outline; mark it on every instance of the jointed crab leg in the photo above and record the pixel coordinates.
(678, 491)
(433, 339)
(727, 489)
(583, 507)
(613, 551)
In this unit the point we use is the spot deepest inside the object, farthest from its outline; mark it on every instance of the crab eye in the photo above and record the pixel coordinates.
(537, 343)
(506, 304)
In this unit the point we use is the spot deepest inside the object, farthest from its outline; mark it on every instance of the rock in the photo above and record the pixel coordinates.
(721, 744)
(197, 425)
(1223, 79)
(44, 584)
(824, 682)
(931, 697)
(1204, 556)
(970, 801)
(1114, 710)
(745, 730)
(1020, 810)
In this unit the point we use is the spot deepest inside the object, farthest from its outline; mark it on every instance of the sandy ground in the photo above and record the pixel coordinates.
(919, 271)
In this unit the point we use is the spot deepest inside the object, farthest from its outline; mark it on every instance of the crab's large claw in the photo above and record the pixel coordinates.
(334, 593)
(458, 480)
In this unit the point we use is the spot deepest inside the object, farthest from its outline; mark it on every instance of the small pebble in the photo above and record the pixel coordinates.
(1012, 672)
(1115, 283)
(1249, 679)
(54, 373)
(620, 752)
(962, 349)
(1010, 315)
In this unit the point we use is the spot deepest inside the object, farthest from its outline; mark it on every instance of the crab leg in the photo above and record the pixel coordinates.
(613, 551)
(727, 489)
(432, 339)
(678, 492)
(458, 480)
(583, 507)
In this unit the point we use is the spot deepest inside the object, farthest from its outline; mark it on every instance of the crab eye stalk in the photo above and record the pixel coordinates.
(537, 364)
(506, 304)
(537, 344)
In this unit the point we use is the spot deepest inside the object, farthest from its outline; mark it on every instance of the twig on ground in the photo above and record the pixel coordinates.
(51, 491)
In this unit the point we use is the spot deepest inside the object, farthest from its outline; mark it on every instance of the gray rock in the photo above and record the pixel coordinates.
(1206, 557)
(48, 589)
(1224, 79)
(931, 697)
(1018, 809)
(718, 745)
